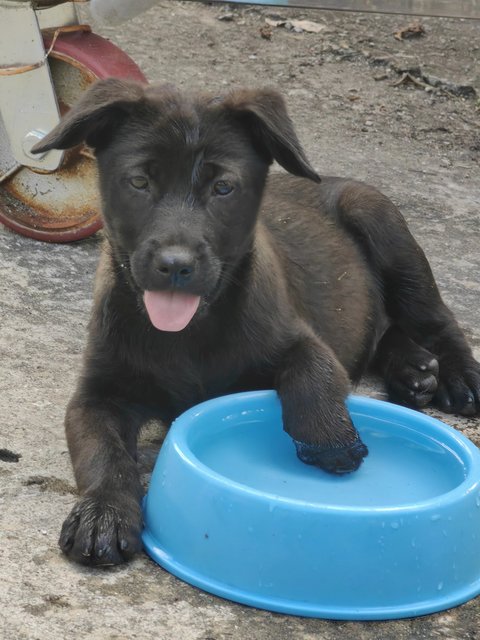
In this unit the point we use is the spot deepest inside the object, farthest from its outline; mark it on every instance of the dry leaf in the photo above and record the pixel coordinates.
(266, 32)
(414, 30)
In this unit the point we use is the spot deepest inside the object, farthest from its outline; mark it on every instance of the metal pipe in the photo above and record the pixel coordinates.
(469, 9)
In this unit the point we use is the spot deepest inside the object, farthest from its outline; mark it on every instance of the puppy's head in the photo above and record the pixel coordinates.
(181, 179)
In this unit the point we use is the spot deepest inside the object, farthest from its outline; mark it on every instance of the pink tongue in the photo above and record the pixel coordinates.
(170, 310)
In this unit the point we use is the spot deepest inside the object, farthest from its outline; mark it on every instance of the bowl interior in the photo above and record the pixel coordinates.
(409, 461)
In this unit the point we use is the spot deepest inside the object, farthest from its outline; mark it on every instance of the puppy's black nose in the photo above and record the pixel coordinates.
(175, 264)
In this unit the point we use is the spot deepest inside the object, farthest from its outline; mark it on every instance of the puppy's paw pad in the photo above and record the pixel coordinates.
(337, 460)
(429, 365)
(418, 389)
(413, 385)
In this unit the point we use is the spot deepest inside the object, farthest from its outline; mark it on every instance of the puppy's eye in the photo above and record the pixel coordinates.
(222, 188)
(139, 182)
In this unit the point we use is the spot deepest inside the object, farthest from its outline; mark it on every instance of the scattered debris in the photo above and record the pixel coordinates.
(461, 90)
(9, 456)
(275, 23)
(427, 82)
(297, 25)
(57, 601)
(308, 25)
(379, 61)
(353, 95)
(291, 27)
(226, 17)
(50, 483)
(266, 32)
(408, 77)
(341, 51)
(413, 30)
(416, 76)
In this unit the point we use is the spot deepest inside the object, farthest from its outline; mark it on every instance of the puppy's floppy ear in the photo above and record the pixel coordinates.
(94, 116)
(266, 116)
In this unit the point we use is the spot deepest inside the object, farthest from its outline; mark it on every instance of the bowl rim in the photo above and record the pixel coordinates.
(357, 404)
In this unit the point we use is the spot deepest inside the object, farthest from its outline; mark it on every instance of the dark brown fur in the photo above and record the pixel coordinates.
(303, 284)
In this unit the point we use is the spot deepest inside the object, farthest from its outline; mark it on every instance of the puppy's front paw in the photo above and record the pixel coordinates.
(338, 460)
(102, 530)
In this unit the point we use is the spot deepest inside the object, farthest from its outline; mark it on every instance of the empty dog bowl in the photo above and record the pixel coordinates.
(232, 510)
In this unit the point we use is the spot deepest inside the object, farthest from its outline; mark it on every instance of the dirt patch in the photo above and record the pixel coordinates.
(9, 456)
(50, 601)
(50, 483)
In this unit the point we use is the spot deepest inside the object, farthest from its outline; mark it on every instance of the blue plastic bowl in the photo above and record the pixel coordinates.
(232, 510)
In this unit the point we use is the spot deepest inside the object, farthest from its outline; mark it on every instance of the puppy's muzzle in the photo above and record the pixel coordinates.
(175, 266)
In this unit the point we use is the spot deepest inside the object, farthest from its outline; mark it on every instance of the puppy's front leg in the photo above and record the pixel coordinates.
(313, 386)
(104, 526)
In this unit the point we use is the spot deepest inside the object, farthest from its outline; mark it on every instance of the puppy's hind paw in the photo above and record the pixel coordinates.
(459, 388)
(337, 460)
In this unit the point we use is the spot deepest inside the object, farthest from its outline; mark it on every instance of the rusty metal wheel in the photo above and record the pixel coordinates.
(63, 205)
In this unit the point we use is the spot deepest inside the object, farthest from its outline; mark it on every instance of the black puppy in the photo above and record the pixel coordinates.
(216, 278)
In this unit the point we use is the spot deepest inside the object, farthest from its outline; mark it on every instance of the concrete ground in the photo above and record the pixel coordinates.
(357, 114)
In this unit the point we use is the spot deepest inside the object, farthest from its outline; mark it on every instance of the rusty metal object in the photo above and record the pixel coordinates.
(54, 3)
(49, 205)
(13, 71)
(64, 205)
(25, 78)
